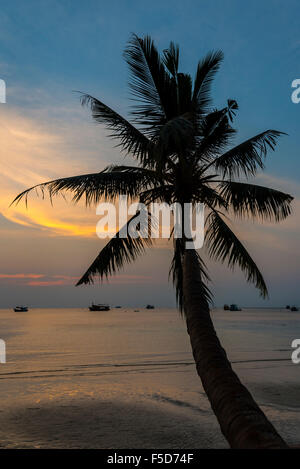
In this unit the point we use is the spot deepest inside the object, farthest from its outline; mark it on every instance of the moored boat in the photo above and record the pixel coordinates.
(21, 309)
(99, 307)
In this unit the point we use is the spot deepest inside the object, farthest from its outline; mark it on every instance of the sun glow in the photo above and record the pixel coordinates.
(24, 156)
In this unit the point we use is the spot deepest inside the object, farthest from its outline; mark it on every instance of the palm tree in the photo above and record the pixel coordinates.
(179, 144)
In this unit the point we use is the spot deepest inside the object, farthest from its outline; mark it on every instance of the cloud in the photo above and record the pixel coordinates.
(282, 184)
(62, 280)
(22, 276)
(48, 283)
(30, 154)
(131, 279)
(43, 280)
(38, 280)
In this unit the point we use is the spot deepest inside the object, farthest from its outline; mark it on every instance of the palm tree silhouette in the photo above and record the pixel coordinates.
(179, 143)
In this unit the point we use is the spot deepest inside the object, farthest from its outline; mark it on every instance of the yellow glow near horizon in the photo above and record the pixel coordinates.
(24, 156)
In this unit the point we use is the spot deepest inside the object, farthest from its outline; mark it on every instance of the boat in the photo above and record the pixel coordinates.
(287, 307)
(21, 309)
(234, 307)
(294, 308)
(118, 307)
(226, 307)
(99, 307)
(149, 307)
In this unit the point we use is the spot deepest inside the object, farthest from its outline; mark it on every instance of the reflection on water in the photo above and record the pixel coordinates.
(109, 371)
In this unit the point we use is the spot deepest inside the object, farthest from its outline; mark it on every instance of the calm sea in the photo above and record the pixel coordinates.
(125, 378)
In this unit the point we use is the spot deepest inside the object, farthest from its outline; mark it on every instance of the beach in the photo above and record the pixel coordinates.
(74, 378)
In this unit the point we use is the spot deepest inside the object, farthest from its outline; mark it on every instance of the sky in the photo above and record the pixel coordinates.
(48, 50)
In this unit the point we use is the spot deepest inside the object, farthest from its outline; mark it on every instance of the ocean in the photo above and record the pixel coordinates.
(125, 378)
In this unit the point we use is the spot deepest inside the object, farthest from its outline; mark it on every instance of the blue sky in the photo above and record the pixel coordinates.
(50, 48)
(60, 46)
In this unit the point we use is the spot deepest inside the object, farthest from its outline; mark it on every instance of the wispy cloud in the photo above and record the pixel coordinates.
(49, 283)
(30, 154)
(21, 276)
(43, 280)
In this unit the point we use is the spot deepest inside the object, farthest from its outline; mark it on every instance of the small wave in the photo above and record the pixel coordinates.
(114, 368)
(176, 402)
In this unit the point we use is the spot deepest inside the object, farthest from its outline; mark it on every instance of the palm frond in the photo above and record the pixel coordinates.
(248, 156)
(171, 58)
(215, 133)
(150, 84)
(132, 140)
(256, 201)
(162, 193)
(232, 106)
(223, 245)
(205, 73)
(117, 252)
(210, 197)
(205, 278)
(107, 184)
(183, 81)
(176, 272)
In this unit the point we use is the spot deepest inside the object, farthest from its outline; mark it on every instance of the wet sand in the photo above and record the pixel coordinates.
(125, 379)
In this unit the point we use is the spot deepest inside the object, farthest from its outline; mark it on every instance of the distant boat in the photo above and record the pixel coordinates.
(149, 307)
(118, 307)
(294, 308)
(287, 307)
(99, 307)
(226, 308)
(21, 309)
(235, 308)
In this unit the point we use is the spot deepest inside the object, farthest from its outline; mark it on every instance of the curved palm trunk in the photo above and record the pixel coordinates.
(242, 422)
